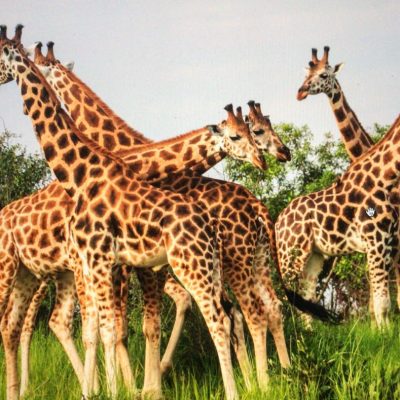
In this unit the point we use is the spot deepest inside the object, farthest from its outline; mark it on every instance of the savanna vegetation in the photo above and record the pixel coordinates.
(350, 361)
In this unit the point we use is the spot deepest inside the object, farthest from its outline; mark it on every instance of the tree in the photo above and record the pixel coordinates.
(20, 173)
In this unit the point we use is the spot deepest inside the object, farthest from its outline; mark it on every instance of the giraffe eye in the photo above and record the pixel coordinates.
(234, 138)
(324, 75)
(259, 132)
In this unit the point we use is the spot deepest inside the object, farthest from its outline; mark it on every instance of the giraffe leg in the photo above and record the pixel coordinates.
(397, 272)
(253, 312)
(11, 325)
(104, 295)
(121, 276)
(239, 345)
(207, 292)
(308, 282)
(182, 301)
(26, 335)
(151, 330)
(62, 317)
(378, 267)
(87, 301)
(272, 305)
(8, 266)
(89, 330)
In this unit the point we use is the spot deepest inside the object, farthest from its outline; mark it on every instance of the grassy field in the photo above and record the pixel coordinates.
(352, 361)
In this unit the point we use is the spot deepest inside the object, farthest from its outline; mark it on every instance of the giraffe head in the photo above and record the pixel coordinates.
(8, 49)
(264, 134)
(47, 64)
(321, 77)
(235, 139)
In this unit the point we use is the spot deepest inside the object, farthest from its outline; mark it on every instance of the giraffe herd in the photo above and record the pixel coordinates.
(122, 203)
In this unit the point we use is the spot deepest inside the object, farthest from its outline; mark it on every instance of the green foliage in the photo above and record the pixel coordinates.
(20, 173)
(311, 168)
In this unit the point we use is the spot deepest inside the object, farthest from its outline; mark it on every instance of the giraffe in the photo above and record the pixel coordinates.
(322, 78)
(119, 219)
(354, 214)
(61, 74)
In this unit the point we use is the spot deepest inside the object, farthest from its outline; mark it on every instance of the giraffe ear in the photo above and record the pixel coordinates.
(70, 65)
(337, 68)
(214, 129)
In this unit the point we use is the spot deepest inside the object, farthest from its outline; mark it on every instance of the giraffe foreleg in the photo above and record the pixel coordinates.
(121, 276)
(27, 331)
(151, 331)
(378, 267)
(62, 317)
(103, 287)
(89, 312)
(11, 325)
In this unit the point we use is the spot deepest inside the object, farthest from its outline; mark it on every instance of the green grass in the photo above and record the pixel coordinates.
(352, 361)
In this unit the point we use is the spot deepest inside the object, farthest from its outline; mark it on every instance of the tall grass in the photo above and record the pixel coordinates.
(352, 361)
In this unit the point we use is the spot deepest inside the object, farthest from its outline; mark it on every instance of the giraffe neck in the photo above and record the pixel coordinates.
(197, 148)
(73, 158)
(91, 114)
(382, 161)
(356, 140)
(158, 160)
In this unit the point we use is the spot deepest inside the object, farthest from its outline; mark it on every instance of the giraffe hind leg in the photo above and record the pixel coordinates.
(183, 301)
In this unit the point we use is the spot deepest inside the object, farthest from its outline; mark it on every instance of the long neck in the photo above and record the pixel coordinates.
(198, 149)
(72, 157)
(89, 112)
(91, 115)
(382, 161)
(356, 140)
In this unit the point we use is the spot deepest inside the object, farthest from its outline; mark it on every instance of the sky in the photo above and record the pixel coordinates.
(168, 67)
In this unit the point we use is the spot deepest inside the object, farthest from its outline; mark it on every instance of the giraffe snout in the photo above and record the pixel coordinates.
(284, 154)
(302, 93)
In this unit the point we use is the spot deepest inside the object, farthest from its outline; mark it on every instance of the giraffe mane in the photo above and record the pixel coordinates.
(372, 149)
(162, 143)
(123, 125)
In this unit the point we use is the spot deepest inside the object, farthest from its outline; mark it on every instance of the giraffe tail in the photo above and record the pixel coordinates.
(226, 303)
(314, 309)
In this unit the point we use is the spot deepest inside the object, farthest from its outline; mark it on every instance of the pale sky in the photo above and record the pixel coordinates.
(168, 67)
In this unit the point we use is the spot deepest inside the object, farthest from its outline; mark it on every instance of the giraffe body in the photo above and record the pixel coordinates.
(354, 214)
